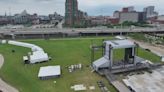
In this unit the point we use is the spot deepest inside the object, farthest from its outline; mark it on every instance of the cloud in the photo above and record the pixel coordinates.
(93, 7)
(43, 1)
(9, 1)
(50, 1)
(118, 4)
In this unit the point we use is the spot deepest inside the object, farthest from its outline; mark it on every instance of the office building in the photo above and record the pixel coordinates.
(128, 9)
(150, 11)
(73, 16)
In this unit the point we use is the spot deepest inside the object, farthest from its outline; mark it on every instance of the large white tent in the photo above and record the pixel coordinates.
(27, 45)
(38, 55)
(49, 72)
(162, 58)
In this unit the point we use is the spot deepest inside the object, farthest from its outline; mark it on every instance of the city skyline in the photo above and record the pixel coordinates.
(92, 7)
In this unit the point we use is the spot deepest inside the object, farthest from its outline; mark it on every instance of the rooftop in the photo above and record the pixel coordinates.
(120, 44)
(49, 71)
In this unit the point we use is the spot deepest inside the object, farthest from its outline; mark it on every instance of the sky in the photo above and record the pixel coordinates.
(92, 7)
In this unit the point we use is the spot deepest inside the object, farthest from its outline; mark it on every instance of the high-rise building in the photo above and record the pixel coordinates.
(150, 11)
(73, 16)
(71, 12)
(130, 14)
(116, 14)
(128, 9)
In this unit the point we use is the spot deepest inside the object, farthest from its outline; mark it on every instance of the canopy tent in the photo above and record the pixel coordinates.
(27, 45)
(49, 72)
(38, 54)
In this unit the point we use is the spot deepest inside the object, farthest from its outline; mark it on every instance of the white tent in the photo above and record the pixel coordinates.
(38, 54)
(162, 59)
(3, 41)
(49, 72)
(120, 37)
(27, 45)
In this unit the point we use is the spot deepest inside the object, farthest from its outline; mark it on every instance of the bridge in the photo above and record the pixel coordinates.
(68, 32)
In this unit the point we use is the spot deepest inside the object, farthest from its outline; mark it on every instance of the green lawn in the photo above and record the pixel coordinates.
(118, 54)
(63, 52)
(148, 55)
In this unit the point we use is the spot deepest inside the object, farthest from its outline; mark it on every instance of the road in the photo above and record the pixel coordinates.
(3, 85)
(76, 30)
(47, 33)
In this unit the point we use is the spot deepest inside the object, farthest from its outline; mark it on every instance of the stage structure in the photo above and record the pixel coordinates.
(109, 60)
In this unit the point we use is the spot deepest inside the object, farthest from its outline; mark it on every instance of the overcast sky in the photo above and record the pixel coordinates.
(92, 7)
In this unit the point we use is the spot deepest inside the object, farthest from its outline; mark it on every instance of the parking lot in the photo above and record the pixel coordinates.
(147, 82)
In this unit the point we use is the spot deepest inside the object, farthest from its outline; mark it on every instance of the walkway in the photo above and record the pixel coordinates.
(117, 84)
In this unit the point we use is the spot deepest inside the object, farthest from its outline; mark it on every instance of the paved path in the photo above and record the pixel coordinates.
(76, 30)
(3, 85)
(120, 86)
(117, 84)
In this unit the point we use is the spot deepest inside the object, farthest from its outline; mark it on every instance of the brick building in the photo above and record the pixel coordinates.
(129, 14)
(73, 16)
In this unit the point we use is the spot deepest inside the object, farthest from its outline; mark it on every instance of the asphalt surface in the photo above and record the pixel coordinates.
(77, 30)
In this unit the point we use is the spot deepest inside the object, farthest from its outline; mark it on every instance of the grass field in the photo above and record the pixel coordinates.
(119, 55)
(63, 52)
